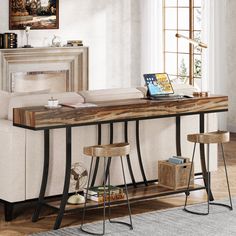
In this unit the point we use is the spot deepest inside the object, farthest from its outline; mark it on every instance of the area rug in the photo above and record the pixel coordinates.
(220, 222)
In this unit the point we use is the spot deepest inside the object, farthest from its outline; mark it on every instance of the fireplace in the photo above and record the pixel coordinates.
(63, 69)
(55, 81)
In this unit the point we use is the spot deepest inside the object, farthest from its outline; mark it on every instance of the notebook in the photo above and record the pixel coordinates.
(159, 86)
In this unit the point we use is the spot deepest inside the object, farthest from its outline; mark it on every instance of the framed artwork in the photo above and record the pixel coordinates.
(38, 14)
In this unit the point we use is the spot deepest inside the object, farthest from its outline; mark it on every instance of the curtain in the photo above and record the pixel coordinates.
(151, 37)
(214, 57)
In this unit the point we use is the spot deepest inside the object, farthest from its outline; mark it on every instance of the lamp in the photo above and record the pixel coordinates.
(199, 44)
(192, 41)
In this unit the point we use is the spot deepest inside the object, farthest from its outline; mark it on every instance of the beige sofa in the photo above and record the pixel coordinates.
(21, 157)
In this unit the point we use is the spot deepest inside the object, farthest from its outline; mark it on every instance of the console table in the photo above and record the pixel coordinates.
(40, 118)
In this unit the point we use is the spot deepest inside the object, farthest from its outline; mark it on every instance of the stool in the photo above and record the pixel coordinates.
(105, 151)
(218, 137)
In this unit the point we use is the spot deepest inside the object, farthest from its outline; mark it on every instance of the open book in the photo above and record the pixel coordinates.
(78, 105)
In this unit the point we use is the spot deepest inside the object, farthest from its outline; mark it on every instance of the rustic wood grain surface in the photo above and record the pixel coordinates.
(41, 117)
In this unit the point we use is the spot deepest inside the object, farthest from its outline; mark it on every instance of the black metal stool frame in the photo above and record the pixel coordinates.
(106, 171)
(208, 188)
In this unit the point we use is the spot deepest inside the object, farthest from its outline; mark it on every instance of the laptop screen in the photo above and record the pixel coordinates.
(158, 84)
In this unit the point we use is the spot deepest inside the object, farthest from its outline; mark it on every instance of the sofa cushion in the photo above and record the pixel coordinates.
(5, 98)
(41, 99)
(110, 94)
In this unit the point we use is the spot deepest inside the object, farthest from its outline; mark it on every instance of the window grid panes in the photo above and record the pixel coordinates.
(183, 17)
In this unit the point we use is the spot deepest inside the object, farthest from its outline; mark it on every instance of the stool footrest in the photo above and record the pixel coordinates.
(196, 212)
(221, 204)
(111, 221)
(89, 232)
(121, 222)
(206, 213)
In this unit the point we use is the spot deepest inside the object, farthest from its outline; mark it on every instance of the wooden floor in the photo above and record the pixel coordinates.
(22, 224)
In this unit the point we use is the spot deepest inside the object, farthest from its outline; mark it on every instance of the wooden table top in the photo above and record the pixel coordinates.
(39, 117)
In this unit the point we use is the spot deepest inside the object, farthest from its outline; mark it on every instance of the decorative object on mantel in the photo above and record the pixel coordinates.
(56, 41)
(79, 176)
(27, 32)
(8, 40)
(39, 14)
(1, 40)
(74, 43)
(201, 45)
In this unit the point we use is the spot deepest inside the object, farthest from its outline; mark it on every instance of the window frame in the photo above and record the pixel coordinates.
(191, 52)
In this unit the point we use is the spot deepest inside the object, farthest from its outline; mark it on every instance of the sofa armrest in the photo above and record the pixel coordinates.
(12, 162)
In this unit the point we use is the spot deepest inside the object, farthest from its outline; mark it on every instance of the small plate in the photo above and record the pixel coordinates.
(52, 107)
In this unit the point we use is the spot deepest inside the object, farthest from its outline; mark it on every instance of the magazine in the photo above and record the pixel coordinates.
(78, 105)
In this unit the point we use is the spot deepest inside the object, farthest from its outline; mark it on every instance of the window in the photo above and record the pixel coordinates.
(182, 61)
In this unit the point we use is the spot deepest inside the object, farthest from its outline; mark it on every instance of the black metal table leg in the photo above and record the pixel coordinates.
(127, 156)
(202, 156)
(97, 158)
(8, 210)
(178, 141)
(66, 181)
(139, 153)
(109, 158)
(44, 177)
(178, 136)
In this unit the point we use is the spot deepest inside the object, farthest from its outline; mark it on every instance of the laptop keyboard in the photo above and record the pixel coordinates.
(173, 97)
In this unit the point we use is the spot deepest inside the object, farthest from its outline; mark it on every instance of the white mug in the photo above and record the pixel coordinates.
(53, 102)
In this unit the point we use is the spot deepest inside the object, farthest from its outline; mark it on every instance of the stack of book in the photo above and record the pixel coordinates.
(74, 43)
(1, 40)
(178, 160)
(96, 193)
(9, 40)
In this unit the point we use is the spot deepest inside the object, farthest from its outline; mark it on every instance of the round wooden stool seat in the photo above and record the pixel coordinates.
(108, 150)
(211, 137)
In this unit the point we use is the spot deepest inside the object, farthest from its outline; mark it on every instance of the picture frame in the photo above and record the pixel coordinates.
(38, 14)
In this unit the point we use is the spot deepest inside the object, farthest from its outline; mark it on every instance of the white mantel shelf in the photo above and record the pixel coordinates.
(74, 59)
(40, 48)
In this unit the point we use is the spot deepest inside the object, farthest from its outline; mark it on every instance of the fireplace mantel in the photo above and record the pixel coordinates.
(72, 59)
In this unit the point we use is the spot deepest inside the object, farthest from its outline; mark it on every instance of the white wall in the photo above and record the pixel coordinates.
(225, 62)
(218, 75)
(220, 35)
(230, 47)
(111, 30)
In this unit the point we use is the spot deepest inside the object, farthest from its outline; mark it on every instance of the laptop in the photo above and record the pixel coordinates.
(159, 86)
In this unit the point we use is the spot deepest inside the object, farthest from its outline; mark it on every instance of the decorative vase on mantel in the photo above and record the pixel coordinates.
(27, 32)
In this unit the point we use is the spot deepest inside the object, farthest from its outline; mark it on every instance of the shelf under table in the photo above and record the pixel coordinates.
(135, 194)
